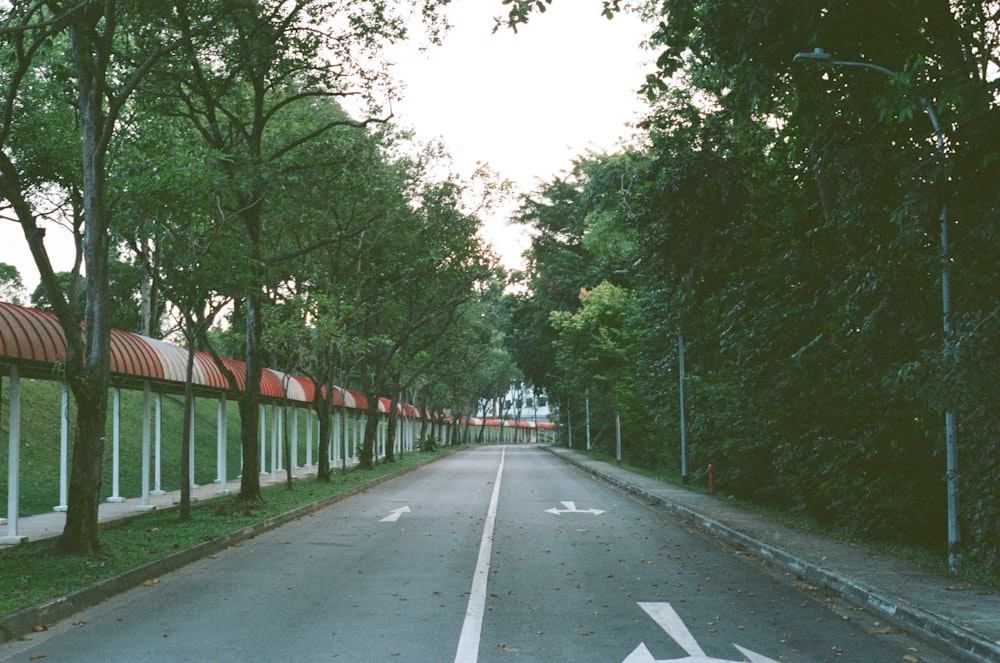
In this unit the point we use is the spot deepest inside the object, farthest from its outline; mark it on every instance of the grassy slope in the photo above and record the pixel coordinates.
(40, 408)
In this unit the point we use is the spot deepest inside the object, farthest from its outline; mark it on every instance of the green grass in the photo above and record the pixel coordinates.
(33, 573)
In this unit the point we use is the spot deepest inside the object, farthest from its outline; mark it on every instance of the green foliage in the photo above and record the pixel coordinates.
(786, 218)
(11, 285)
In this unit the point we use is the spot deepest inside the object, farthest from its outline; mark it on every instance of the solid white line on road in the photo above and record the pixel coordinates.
(472, 628)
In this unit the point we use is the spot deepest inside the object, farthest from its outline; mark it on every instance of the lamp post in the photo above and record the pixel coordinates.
(680, 364)
(951, 425)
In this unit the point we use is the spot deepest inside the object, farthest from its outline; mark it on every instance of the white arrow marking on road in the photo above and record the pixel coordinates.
(668, 619)
(571, 508)
(395, 514)
(753, 656)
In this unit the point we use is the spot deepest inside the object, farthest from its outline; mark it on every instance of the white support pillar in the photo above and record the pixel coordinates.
(280, 442)
(63, 449)
(346, 434)
(191, 450)
(263, 439)
(13, 459)
(144, 504)
(274, 447)
(294, 462)
(309, 437)
(336, 433)
(345, 437)
(618, 435)
(116, 446)
(158, 446)
(221, 440)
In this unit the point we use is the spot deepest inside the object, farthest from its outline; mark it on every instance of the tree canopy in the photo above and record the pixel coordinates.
(785, 218)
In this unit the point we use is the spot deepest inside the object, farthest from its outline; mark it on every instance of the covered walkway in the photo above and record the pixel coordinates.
(32, 346)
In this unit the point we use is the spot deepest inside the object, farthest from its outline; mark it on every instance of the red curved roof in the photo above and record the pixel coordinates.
(306, 386)
(132, 355)
(30, 335)
(360, 400)
(340, 398)
(270, 384)
(207, 372)
(385, 403)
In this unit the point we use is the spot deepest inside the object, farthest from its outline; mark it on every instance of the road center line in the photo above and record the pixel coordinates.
(472, 628)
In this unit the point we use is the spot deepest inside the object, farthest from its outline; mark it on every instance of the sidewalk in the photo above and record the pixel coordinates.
(963, 617)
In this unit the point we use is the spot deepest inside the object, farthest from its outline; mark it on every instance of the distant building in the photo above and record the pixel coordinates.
(521, 402)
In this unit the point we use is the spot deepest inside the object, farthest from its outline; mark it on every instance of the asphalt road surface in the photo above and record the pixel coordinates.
(491, 554)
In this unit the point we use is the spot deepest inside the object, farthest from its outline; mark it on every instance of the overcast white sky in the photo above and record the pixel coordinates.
(527, 103)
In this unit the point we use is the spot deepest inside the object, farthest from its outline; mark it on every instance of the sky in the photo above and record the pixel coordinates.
(526, 104)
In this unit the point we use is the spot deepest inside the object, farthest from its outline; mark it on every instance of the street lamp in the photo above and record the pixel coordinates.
(951, 426)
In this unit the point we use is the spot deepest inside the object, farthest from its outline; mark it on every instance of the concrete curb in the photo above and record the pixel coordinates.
(20, 623)
(939, 630)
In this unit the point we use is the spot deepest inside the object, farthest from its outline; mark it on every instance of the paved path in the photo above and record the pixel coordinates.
(960, 615)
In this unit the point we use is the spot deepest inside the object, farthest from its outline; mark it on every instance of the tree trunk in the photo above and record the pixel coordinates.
(367, 460)
(79, 534)
(321, 405)
(424, 424)
(390, 438)
(91, 387)
(186, 479)
(250, 403)
(251, 215)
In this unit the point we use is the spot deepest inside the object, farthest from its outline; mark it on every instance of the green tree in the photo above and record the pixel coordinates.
(420, 271)
(68, 63)
(596, 350)
(270, 59)
(11, 285)
(787, 220)
(579, 239)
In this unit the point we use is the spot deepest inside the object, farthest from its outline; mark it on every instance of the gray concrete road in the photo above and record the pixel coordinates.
(492, 554)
